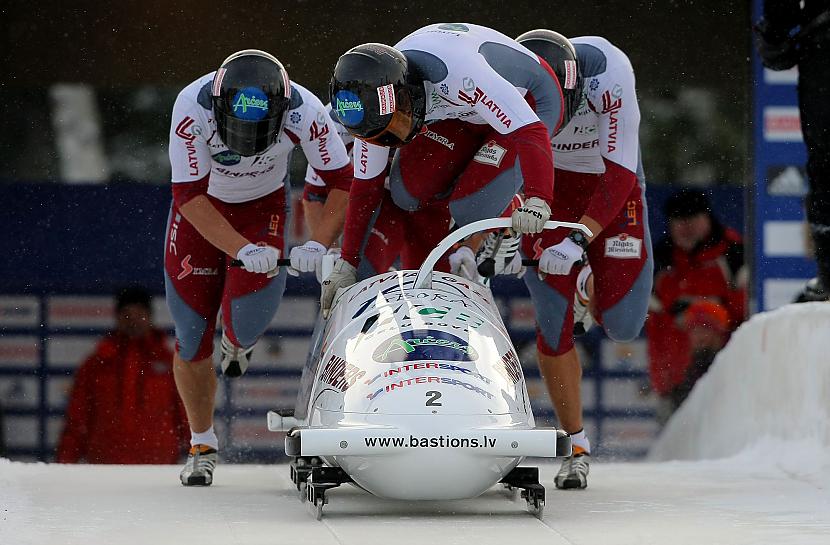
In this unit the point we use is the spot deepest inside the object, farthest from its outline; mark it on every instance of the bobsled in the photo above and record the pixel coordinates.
(413, 390)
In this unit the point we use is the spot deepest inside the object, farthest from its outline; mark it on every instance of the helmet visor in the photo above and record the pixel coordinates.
(250, 136)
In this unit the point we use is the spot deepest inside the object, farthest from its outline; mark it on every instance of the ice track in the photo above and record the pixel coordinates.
(730, 502)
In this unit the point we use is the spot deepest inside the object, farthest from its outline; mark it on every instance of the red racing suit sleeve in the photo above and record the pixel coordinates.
(364, 199)
(340, 178)
(609, 196)
(185, 191)
(535, 156)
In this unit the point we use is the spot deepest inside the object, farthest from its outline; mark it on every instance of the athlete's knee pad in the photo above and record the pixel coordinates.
(554, 317)
(249, 315)
(624, 320)
(397, 188)
(194, 332)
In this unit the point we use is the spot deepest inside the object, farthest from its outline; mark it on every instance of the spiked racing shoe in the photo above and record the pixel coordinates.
(235, 359)
(574, 470)
(198, 470)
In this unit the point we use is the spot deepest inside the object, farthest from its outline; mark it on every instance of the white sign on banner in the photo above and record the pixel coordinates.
(784, 239)
(781, 77)
(781, 291)
(80, 311)
(782, 124)
(19, 351)
(19, 311)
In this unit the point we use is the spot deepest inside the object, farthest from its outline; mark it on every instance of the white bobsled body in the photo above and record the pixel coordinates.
(417, 390)
(417, 387)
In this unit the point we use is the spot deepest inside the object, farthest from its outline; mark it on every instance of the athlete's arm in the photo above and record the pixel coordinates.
(615, 101)
(212, 225)
(327, 155)
(370, 165)
(190, 162)
(507, 111)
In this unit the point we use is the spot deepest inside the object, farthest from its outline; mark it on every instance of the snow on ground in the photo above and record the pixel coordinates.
(774, 488)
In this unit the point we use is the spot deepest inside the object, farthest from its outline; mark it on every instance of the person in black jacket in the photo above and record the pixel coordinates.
(790, 33)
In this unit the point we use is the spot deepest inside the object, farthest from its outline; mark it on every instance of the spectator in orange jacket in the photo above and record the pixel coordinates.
(124, 408)
(699, 297)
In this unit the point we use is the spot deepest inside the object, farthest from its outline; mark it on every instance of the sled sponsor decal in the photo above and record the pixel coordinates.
(441, 441)
(424, 345)
(404, 369)
(623, 246)
(405, 383)
(511, 368)
(340, 374)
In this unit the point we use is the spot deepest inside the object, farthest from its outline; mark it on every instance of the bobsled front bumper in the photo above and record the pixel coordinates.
(378, 441)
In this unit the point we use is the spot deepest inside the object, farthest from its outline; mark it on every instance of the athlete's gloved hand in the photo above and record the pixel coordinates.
(463, 263)
(503, 249)
(515, 266)
(343, 275)
(307, 258)
(531, 217)
(559, 259)
(258, 259)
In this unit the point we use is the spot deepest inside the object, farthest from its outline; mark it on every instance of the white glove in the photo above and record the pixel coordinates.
(515, 266)
(531, 217)
(258, 259)
(343, 275)
(561, 258)
(507, 255)
(307, 258)
(463, 263)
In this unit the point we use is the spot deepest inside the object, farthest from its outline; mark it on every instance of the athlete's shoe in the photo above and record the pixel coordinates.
(574, 470)
(235, 359)
(198, 470)
(582, 313)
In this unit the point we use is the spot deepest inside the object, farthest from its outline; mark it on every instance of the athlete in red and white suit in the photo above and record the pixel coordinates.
(224, 206)
(599, 182)
(505, 94)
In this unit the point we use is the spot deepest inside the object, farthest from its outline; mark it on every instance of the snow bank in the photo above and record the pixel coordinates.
(767, 395)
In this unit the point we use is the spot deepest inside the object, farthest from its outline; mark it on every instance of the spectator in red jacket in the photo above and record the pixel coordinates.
(699, 297)
(124, 408)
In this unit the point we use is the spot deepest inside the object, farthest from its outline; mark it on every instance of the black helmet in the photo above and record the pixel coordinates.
(376, 96)
(560, 54)
(251, 93)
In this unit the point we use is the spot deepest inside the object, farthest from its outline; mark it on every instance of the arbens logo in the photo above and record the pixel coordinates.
(185, 132)
(424, 345)
(480, 96)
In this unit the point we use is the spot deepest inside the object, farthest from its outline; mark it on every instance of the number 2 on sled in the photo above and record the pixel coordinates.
(433, 399)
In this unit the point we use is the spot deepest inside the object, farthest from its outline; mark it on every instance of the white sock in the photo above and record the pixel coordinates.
(579, 439)
(207, 437)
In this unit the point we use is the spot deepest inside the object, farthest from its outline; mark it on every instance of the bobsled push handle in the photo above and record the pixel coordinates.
(424, 278)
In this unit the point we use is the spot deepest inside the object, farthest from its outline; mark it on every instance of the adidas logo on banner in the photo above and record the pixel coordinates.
(789, 181)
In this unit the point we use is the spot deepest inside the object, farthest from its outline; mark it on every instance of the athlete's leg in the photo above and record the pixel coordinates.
(623, 270)
(384, 240)
(250, 300)
(194, 273)
(426, 169)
